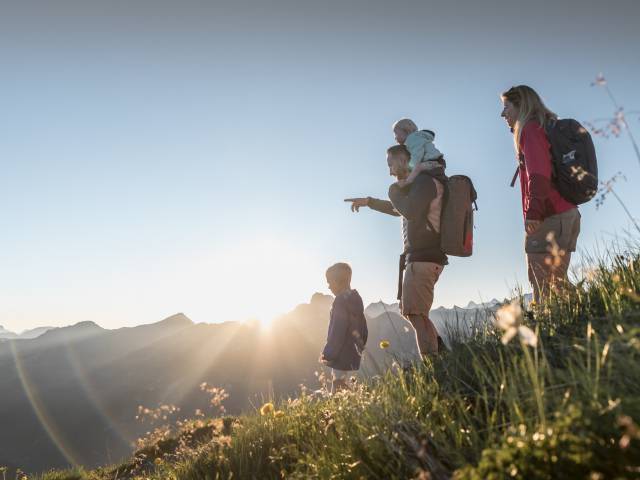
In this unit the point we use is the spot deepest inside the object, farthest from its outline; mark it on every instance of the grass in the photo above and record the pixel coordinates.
(567, 408)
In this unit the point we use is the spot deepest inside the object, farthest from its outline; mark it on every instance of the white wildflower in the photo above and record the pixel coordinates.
(508, 320)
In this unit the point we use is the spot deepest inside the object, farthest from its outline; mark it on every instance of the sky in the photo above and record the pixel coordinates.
(160, 157)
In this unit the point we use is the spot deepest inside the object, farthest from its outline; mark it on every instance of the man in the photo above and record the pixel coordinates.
(420, 205)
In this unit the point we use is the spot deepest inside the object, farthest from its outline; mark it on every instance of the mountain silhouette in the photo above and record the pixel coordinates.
(33, 333)
(72, 393)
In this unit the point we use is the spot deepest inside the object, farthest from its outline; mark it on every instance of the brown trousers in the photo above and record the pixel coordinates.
(547, 273)
(548, 252)
(426, 334)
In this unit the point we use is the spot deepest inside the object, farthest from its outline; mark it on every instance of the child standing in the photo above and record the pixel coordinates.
(348, 332)
(420, 145)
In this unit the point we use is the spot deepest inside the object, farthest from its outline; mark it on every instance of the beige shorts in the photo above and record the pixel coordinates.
(418, 286)
(565, 227)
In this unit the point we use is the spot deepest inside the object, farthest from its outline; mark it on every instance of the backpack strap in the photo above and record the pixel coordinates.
(442, 197)
(401, 267)
(515, 175)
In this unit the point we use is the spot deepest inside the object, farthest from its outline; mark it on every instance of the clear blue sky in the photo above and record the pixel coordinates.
(193, 156)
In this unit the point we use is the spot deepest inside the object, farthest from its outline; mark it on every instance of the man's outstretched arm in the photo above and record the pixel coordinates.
(383, 206)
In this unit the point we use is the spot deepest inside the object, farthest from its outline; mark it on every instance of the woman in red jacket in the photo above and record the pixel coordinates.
(552, 224)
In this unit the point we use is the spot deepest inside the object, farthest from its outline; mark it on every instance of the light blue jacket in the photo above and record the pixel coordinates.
(421, 147)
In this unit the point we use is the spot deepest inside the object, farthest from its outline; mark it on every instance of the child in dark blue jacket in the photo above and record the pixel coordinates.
(348, 332)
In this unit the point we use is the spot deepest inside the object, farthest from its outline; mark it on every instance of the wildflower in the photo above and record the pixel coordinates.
(278, 414)
(605, 351)
(384, 344)
(629, 292)
(158, 461)
(508, 319)
(631, 431)
(267, 408)
(555, 260)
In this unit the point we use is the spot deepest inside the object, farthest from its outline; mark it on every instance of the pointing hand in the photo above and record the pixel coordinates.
(356, 203)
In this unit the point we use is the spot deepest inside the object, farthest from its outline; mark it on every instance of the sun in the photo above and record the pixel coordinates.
(258, 279)
(265, 323)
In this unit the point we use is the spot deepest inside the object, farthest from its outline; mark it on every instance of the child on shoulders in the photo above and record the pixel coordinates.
(421, 148)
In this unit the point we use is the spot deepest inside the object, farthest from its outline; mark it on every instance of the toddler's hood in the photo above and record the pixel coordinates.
(427, 135)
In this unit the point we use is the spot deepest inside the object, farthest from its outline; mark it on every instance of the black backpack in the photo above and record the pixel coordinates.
(573, 161)
(575, 167)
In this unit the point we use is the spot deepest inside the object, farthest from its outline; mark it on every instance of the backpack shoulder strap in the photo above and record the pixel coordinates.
(517, 172)
(515, 177)
(441, 194)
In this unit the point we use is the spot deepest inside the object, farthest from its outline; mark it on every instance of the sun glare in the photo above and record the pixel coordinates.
(265, 323)
(261, 280)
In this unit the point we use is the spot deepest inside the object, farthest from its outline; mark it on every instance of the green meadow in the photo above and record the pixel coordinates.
(549, 391)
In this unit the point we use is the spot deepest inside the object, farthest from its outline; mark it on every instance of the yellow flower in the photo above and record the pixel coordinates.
(278, 414)
(158, 461)
(384, 344)
(267, 408)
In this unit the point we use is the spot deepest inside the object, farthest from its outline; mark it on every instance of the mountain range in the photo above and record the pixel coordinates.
(27, 334)
(70, 395)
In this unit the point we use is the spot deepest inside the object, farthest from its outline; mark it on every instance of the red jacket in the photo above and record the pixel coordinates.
(540, 199)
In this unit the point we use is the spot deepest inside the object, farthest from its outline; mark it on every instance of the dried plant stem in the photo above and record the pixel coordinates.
(624, 206)
(625, 124)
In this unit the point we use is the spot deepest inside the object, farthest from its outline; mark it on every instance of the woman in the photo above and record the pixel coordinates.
(552, 224)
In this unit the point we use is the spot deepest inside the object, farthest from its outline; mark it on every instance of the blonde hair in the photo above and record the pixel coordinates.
(399, 149)
(340, 271)
(530, 107)
(406, 125)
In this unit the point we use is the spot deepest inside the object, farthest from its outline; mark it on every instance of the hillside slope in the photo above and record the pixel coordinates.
(560, 402)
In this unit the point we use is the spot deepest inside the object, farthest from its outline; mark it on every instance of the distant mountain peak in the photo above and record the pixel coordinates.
(86, 324)
(473, 305)
(35, 332)
(378, 308)
(177, 319)
(6, 334)
(79, 330)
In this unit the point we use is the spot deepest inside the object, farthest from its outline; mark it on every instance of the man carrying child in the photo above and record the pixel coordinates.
(417, 196)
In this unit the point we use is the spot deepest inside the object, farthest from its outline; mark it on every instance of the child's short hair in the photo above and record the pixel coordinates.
(339, 270)
(406, 125)
(399, 149)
